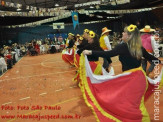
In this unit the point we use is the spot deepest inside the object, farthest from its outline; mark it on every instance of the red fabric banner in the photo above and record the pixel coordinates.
(117, 99)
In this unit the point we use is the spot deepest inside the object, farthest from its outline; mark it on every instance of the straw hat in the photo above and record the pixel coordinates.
(147, 29)
(105, 30)
(71, 34)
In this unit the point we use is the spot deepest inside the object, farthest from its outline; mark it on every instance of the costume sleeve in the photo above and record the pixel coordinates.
(107, 42)
(118, 50)
(82, 49)
(148, 56)
(153, 43)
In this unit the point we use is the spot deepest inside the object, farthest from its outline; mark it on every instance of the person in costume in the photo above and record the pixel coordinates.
(80, 40)
(105, 45)
(149, 43)
(77, 39)
(70, 41)
(76, 56)
(68, 53)
(130, 52)
(121, 97)
(85, 39)
(93, 44)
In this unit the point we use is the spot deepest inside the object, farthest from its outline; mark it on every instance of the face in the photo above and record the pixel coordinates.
(85, 35)
(80, 41)
(90, 40)
(125, 36)
(69, 37)
(107, 33)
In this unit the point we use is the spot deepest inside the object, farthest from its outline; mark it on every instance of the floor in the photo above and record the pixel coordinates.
(42, 86)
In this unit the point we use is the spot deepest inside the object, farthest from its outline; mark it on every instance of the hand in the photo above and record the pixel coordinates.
(87, 52)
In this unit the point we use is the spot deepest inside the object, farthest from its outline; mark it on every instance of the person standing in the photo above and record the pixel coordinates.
(149, 44)
(105, 45)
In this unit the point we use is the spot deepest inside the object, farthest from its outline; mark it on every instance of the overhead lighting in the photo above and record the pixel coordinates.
(91, 15)
(99, 16)
(91, 7)
(97, 6)
(56, 5)
(18, 9)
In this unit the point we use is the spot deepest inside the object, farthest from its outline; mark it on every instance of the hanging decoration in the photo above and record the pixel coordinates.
(33, 24)
(75, 18)
(58, 11)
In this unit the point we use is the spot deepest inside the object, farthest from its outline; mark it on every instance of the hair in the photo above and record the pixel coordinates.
(134, 43)
(96, 43)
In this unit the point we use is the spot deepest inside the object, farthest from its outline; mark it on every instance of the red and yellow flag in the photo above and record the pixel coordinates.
(115, 98)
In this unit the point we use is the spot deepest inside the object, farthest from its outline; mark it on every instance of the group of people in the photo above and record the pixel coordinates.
(111, 97)
(90, 41)
(37, 47)
(9, 55)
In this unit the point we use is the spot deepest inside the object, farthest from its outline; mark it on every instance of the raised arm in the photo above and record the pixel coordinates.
(119, 49)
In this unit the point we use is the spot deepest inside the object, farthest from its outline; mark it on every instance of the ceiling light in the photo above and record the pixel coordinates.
(99, 16)
(18, 9)
(56, 5)
(97, 6)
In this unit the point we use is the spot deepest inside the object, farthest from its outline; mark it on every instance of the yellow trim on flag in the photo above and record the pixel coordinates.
(85, 86)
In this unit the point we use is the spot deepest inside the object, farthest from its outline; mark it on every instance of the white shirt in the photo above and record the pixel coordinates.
(107, 42)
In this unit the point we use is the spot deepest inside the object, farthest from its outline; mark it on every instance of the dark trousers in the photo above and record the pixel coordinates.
(107, 62)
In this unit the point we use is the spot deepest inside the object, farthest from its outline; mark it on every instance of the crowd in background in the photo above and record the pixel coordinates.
(10, 54)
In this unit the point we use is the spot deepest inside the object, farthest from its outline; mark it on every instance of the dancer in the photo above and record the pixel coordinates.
(130, 52)
(149, 43)
(85, 39)
(93, 44)
(121, 97)
(68, 53)
(70, 40)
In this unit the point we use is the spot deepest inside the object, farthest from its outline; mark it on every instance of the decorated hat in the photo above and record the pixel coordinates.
(71, 34)
(5, 47)
(147, 29)
(81, 38)
(92, 34)
(105, 30)
(86, 30)
(77, 35)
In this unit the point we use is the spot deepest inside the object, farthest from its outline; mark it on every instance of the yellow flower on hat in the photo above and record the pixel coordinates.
(80, 38)
(86, 30)
(91, 34)
(131, 28)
